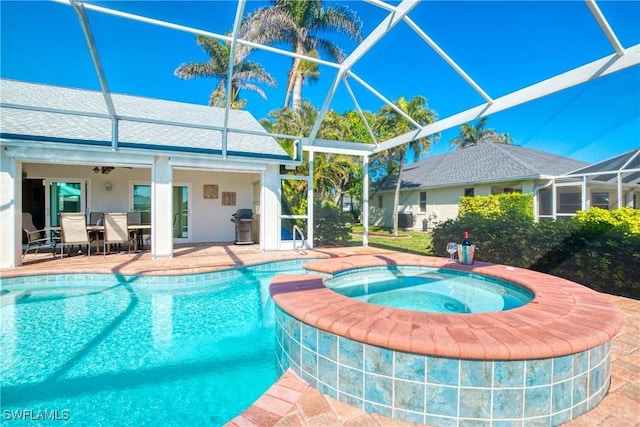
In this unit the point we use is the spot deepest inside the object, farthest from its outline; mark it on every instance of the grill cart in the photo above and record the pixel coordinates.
(243, 219)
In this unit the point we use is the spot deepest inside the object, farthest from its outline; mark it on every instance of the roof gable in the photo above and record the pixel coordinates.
(486, 162)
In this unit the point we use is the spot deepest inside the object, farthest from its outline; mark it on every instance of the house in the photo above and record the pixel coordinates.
(432, 187)
(187, 168)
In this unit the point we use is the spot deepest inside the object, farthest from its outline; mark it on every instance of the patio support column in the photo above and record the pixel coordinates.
(554, 204)
(310, 202)
(11, 211)
(270, 222)
(365, 201)
(585, 195)
(619, 190)
(161, 208)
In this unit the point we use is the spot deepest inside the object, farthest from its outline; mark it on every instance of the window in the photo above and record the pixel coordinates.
(507, 190)
(544, 202)
(423, 201)
(468, 192)
(600, 200)
(569, 202)
(142, 198)
(380, 205)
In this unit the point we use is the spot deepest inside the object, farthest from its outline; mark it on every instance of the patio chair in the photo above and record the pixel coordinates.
(36, 239)
(95, 218)
(73, 231)
(145, 218)
(116, 230)
(135, 218)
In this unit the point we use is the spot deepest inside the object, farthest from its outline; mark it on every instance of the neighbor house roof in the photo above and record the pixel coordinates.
(483, 163)
(37, 112)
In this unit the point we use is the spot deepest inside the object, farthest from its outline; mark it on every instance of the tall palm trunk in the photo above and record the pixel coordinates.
(396, 197)
(294, 75)
(290, 82)
(297, 91)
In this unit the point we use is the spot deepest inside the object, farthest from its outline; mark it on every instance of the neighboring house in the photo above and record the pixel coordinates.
(431, 188)
(65, 149)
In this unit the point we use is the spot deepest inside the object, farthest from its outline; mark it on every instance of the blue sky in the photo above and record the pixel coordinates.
(502, 45)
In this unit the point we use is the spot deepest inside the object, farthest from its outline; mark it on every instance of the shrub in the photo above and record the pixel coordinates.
(601, 220)
(496, 206)
(597, 248)
(331, 224)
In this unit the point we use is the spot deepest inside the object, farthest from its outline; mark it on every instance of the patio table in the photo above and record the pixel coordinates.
(135, 228)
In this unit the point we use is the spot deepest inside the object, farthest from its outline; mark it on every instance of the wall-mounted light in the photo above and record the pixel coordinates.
(107, 186)
(96, 169)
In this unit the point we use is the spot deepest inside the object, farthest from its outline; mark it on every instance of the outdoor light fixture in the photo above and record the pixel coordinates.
(96, 169)
(107, 186)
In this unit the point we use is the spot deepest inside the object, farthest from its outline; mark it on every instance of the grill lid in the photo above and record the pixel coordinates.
(243, 214)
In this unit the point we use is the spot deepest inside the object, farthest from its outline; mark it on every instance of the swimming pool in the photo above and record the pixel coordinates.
(434, 290)
(137, 350)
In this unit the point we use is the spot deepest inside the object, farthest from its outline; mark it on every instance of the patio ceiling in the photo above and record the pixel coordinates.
(393, 15)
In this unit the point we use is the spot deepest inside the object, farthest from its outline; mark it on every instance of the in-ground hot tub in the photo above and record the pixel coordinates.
(544, 363)
(435, 290)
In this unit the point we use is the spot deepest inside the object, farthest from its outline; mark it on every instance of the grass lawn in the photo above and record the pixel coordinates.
(416, 242)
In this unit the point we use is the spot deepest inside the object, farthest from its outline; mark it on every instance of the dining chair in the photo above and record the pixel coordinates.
(116, 230)
(36, 238)
(73, 231)
(135, 218)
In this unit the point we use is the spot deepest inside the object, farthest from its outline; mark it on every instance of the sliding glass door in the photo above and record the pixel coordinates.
(181, 213)
(64, 196)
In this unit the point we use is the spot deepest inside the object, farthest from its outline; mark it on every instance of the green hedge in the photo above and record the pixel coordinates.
(512, 205)
(598, 248)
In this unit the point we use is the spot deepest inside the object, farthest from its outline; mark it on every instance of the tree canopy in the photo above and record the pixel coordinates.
(245, 75)
(473, 135)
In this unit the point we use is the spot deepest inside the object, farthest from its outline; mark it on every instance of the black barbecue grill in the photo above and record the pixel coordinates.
(243, 218)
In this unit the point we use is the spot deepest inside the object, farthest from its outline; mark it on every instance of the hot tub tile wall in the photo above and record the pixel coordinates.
(421, 388)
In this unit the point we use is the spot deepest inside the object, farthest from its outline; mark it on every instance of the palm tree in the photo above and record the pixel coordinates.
(470, 135)
(331, 172)
(391, 124)
(245, 73)
(307, 72)
(298, 24)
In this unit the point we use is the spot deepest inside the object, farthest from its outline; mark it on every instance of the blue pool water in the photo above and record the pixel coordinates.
(429, 289)
(121, 350)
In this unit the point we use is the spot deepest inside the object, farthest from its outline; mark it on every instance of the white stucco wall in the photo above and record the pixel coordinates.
(210, 220)
(443, 202)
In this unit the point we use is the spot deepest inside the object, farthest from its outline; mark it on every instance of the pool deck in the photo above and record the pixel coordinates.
(292, 402)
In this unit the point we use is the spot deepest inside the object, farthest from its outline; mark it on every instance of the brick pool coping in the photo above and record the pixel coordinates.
(563, 318)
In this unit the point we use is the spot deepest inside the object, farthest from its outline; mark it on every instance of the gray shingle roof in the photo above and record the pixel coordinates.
(96, 130)
(486, 162)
